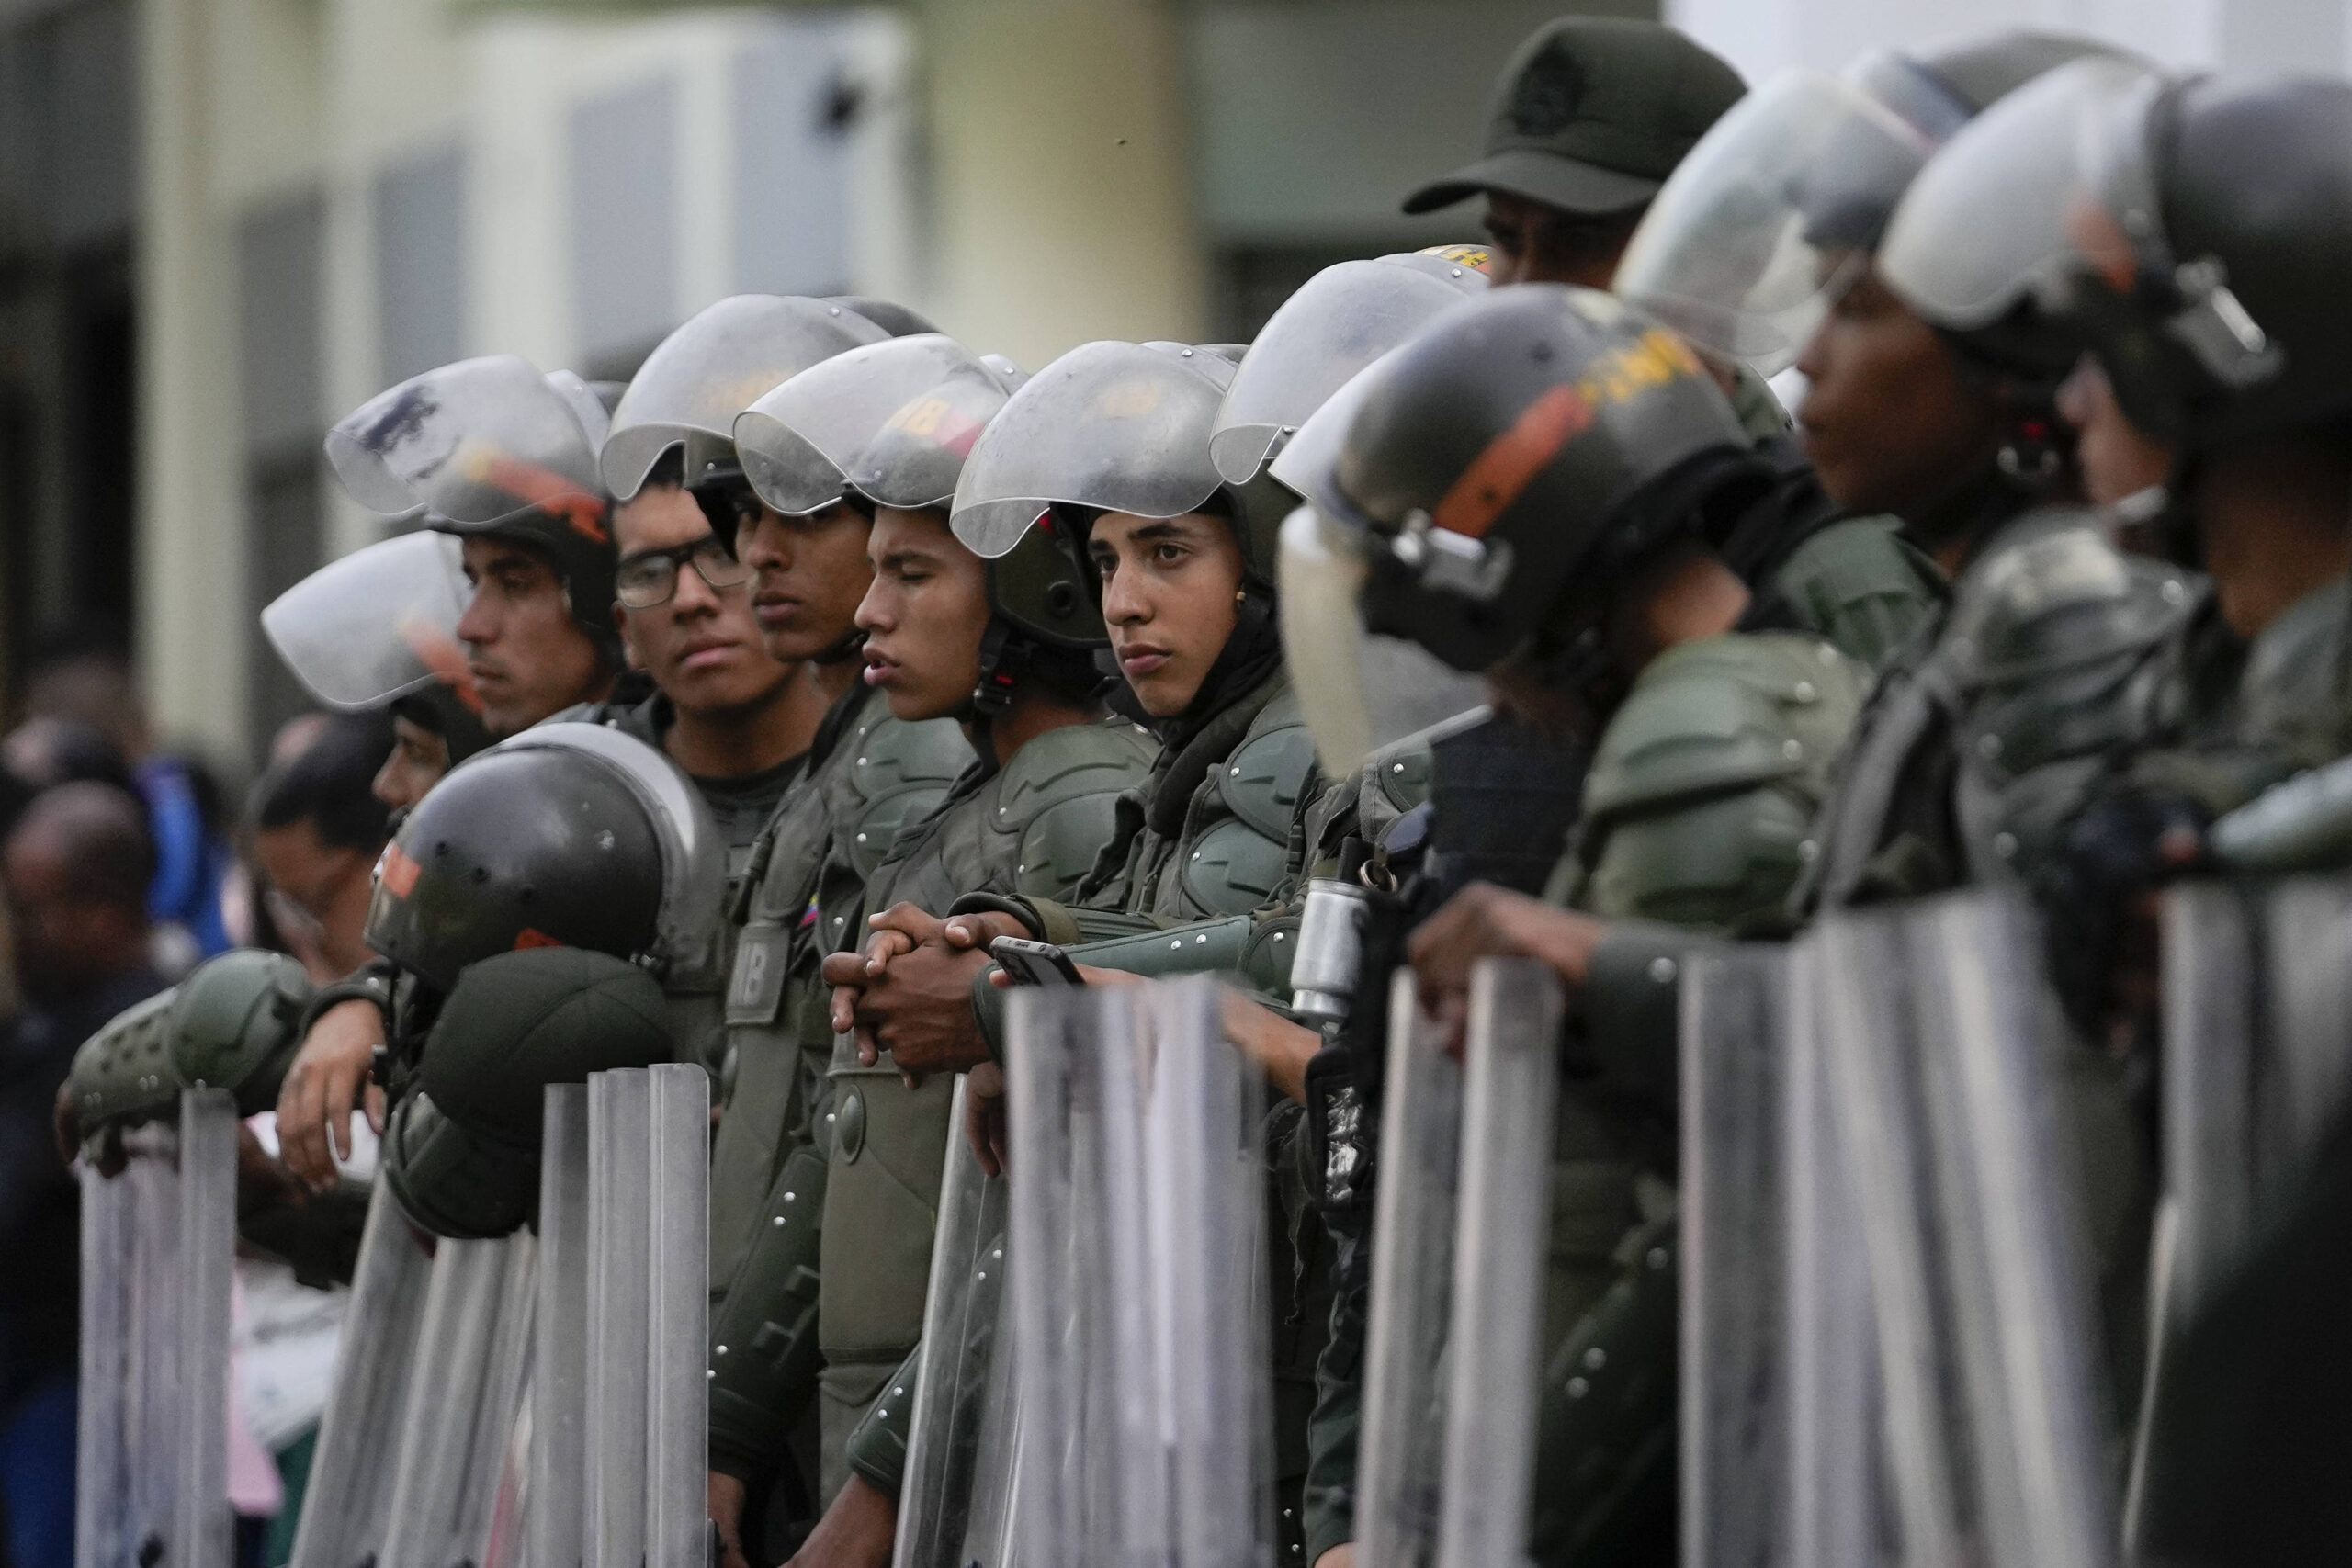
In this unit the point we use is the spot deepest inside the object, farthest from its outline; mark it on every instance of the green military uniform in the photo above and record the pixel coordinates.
(867, 775)
(742, 808)
(1032, 827)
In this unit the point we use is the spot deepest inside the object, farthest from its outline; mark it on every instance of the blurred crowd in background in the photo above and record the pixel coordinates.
(125, 866)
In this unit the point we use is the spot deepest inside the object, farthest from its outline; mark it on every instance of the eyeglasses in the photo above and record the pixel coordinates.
(650, 577)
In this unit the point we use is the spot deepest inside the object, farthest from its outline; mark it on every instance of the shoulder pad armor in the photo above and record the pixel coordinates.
(1263, 777)
(1861, 585)
(1060, 795)
(2061, 646)
(897, 774)
(1722, 714)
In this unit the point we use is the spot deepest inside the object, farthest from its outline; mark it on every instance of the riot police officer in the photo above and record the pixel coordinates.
(504, 459)
(1005, 648)
(1581, 580)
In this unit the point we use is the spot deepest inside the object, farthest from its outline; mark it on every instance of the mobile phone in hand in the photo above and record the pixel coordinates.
(1034, 963)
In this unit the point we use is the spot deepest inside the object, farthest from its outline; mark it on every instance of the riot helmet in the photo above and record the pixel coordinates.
(490, 447)
(897, 319)
(379, 628)
(461, 1149)
(1526, 441)
(2194, 233)
(567, 835)
(1112, 426)
(1780, 207)
(1338, 322)
(798, 440)
(691, 386)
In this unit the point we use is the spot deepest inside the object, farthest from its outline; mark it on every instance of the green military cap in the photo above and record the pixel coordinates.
(1590, 117)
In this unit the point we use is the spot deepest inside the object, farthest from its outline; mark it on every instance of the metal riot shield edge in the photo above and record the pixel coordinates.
(1496, 1346)
(1412, 1276)
(1206, 1195)
(1950, 1102)
(207, 1239)
(619, 1112)
(677, 1315)
(151, 1426)
(555, 1522)
(955, 1501)
(346, 1507)
(101, 1469)
(1778, 1388)
(1734, 1416)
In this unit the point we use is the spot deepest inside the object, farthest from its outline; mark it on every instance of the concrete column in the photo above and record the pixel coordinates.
(1061, 173)
(191, 613)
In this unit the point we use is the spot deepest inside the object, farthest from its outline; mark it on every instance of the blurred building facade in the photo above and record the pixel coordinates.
(223, 222)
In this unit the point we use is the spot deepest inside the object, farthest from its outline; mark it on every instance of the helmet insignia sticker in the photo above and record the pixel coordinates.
(543, 488)
(397, 871)
(1495, 478)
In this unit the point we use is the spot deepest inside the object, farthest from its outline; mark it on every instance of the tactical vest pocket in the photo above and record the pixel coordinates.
(756, 984)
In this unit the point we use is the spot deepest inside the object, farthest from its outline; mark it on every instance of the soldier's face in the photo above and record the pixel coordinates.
(812, 573)
(528, 656)
(419, 758)
(702, 647)
(1886, 419)
(1170, 589)
(923, 616)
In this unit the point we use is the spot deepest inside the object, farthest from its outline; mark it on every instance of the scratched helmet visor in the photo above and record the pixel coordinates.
(798, 442)
(1505, 452)
(377, 624)
(712, 369)
(915, 459)
(1772, 216)
(1339, 320)
(1108, 427)
(471, 445)
(2033, 195)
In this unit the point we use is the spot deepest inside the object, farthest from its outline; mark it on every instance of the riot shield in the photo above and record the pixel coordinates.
(1412, 1279)
(619, 1109)
(2256, 1011)
(464, 1384)
(158, 1247)
(346, 1507)
(955, 1499)
(646, 1328)
(559, 1369)
(677, 1317)
(1944, 1052)
(1138, 1279)
(1778, 1388)
(1495, 1344)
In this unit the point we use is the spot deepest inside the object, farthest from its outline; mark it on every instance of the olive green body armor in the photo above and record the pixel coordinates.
(867, 775)
(1034, 827)
(232, 1023)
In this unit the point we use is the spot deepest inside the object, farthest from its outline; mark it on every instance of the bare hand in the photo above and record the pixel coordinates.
(858, 1530)
(897, 930)
(329, 1076)
(723, 1500)
(920, 1010)
(1281, 1048)
(984, 1119)
(1487, 921)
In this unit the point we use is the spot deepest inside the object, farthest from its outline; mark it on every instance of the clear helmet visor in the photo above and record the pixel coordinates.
(693, 855)
(376, 624)
(915, 459)
(1339, 320)
(2016, 206)
(797, 442)
(1108, 426)
(1306, 463)
(1772, 216)
(1359, 691)
(474, 442)
(714, 368)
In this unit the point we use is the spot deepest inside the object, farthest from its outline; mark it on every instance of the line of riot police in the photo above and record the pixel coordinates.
(1777, 989)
